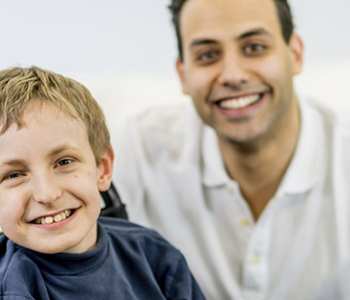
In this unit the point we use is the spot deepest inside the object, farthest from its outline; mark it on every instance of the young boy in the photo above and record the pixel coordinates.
(55, 157)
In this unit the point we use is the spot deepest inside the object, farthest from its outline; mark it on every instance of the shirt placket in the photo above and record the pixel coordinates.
(255, 264)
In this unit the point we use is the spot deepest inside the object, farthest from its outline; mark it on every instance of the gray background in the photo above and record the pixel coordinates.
(135, 36)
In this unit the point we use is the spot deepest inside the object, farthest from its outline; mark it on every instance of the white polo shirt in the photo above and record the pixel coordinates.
(169, 171)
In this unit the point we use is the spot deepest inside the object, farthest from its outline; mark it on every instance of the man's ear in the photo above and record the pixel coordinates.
(297, 50)
(105, 170)
(181, 73)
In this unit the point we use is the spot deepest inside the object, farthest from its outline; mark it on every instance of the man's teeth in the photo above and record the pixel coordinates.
(238, 103)
(56, 218)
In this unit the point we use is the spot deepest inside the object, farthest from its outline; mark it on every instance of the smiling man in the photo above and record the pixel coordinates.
(247, 182)
(238, 70)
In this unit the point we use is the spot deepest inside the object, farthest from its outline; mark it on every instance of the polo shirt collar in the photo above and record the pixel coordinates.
(308, 161)
(304, 170)
(213, 168)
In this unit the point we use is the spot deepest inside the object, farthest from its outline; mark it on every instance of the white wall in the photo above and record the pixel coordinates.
(124, 50)
(133, 36)
(87, 36)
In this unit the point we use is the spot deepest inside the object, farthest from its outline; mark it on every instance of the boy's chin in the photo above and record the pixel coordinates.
(78, 241)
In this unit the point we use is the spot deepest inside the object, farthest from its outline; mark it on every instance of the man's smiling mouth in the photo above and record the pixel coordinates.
(54, 218)
(239, 102)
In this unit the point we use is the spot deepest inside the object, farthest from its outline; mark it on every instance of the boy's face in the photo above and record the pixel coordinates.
(49, 182)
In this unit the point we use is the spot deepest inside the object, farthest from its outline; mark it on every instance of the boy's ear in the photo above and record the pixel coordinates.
(105, 170)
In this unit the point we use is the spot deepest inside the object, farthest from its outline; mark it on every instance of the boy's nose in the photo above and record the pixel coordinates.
(45, 189)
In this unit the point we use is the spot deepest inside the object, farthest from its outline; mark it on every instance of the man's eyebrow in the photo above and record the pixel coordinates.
(199, 42)
(254, 32)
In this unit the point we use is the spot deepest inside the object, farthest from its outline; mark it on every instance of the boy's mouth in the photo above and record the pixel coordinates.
(54, 218)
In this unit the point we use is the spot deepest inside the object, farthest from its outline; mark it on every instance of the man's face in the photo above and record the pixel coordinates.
(237, 67)
(49, 182)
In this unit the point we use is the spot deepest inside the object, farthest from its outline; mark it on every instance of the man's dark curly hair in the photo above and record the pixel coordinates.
(283, 9)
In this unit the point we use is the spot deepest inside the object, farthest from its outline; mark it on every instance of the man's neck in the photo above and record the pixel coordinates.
(259, 168)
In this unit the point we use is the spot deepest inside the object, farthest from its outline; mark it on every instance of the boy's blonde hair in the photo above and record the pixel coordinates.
(20, 86)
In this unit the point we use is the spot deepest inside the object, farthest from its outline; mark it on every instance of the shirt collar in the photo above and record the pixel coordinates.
(308, 161)
(304, 169)
(72, 263)
(213, 173)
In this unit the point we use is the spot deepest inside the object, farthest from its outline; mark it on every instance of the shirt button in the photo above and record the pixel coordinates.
(229, 189)
(254, 260)
(244, 222)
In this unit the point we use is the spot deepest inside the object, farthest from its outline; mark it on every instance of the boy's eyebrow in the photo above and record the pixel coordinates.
(57, 150)
(14, 162)
(53, 152)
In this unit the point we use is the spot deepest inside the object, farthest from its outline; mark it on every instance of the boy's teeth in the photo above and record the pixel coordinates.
(238, 103)
(56, 218)
(48, 220)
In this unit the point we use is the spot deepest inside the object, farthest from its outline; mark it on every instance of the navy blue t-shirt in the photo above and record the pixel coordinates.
(128, 262)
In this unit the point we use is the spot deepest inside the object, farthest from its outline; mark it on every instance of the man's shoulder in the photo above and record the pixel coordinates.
(329, 113)
(332, 128)
(170, 118)
(334, 121)
(162, 132)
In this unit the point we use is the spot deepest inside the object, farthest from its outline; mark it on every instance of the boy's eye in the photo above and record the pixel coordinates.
(12, 178)
(14, 175)
(64, 162)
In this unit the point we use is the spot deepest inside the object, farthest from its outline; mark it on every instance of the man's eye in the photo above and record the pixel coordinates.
(254, 49)
(208, 56)
(64, 162)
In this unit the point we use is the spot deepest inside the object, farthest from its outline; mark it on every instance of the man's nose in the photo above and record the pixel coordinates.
(234, 73)
(45, 189)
